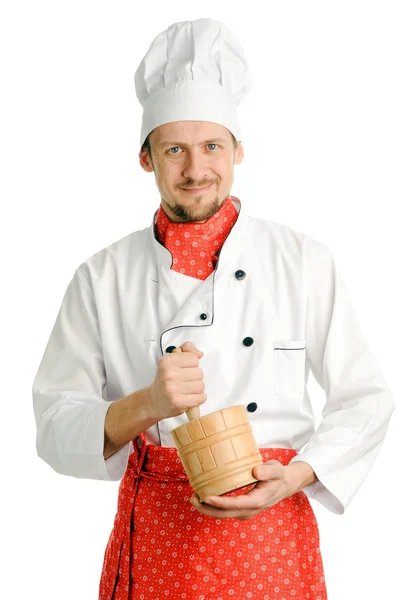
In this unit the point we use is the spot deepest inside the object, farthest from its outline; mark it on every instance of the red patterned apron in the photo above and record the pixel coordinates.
(161, 547)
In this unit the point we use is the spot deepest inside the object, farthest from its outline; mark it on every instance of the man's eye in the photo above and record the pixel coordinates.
(173, 148)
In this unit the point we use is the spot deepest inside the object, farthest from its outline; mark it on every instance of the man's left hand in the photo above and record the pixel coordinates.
(275, 483)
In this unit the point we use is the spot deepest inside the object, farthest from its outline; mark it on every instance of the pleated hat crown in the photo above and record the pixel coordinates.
(192, 71)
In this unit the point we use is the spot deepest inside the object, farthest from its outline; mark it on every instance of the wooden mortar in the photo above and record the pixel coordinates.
(218, 450)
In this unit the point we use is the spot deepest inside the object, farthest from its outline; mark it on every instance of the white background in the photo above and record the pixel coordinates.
(321, 134)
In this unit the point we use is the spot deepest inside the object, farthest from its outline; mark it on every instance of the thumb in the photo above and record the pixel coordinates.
(190, 347)
(268, 470)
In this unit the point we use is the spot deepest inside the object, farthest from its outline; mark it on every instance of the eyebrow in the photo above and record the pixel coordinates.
(175, 143)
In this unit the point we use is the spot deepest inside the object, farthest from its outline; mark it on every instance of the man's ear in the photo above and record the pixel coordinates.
(238, 154)
(145, 160)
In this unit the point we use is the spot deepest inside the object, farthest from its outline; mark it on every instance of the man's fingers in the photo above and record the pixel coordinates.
(253, 500)
(222, 512)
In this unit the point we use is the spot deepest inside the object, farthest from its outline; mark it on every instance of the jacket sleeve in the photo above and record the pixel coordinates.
(358, 405)
(68, 400)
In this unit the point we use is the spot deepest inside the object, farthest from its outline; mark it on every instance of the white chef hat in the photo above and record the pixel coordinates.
(193, 71)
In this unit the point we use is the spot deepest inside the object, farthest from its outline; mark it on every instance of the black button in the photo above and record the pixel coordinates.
(248, 341)
(170, 348)
(252, 406)
(203, 316)
(240, 274)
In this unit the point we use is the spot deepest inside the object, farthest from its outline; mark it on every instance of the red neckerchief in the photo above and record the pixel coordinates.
(195, 246)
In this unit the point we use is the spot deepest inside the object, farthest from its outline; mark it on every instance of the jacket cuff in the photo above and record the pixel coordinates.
(323, 490)
(114, 466)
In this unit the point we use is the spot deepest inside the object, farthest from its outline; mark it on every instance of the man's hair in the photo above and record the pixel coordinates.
(146, 143)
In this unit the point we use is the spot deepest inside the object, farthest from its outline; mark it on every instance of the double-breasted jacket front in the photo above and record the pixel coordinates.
(274, 308)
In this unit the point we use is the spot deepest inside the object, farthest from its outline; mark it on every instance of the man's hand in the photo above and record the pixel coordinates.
(178, 383)
(276, 482)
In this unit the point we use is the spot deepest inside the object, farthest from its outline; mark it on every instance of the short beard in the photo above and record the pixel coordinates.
(189, 215)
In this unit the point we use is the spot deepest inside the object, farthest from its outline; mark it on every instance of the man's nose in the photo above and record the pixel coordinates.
(196, 167)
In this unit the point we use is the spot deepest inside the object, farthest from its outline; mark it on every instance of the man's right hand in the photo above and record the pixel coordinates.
(178, 384)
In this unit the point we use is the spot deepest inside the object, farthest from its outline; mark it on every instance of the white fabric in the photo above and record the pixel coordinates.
(194, 70)
(124, 307)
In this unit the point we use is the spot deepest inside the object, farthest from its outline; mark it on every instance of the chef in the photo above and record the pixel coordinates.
(208, 306)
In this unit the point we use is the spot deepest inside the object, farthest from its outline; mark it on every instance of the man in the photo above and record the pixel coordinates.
(253, 305)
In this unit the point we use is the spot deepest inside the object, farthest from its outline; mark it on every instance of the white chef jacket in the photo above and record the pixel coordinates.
(274, 308)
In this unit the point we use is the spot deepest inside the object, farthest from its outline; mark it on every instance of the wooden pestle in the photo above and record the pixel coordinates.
(193, 412)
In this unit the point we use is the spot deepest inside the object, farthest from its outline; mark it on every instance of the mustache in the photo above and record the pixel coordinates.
(189, 186)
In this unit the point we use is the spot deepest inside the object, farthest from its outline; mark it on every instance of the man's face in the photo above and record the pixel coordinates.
(186, 156)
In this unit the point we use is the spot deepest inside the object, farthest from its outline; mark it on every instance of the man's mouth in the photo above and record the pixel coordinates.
(196, 190)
